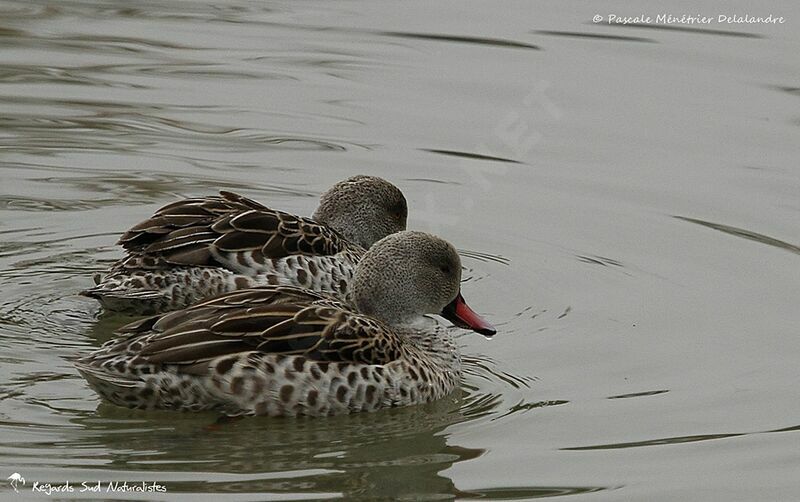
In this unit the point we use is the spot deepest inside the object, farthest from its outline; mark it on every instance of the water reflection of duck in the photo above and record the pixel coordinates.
(395, 454)
(197, 248)
(286, 351)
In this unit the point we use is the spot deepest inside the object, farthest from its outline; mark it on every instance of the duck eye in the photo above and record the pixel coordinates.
(397, 210)
(444, 268)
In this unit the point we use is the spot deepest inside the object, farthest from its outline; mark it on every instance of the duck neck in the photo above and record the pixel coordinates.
(352, 225)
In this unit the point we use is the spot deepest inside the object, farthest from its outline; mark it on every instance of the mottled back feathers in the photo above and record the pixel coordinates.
(211, 231)
(273, 320)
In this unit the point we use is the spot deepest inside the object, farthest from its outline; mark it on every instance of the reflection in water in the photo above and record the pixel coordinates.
(105, 325)
(398, 453)
(393, 454)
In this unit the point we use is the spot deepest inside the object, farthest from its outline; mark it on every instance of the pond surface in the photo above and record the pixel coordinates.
(626, 199)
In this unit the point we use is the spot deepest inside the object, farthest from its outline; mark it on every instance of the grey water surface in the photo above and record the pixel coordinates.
(626, 199)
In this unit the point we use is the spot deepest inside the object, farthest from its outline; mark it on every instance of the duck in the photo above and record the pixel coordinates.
(197, 248)
(288, 351)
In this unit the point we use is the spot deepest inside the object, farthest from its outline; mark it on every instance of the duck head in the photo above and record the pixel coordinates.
(364, 209)
(408, 274)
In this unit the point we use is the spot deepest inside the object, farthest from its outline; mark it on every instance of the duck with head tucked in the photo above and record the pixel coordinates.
(285, 351)
(197, 248)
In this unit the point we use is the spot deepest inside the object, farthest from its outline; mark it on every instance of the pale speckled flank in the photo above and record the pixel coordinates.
(147, 292)
(254, 383)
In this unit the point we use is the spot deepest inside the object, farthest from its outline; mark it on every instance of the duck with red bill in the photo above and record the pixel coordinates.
(461, 315)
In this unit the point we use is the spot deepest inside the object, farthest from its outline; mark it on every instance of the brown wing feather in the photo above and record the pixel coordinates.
(273, 320)
(187, 231)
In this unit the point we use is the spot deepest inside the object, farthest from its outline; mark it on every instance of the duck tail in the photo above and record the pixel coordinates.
(100, 378)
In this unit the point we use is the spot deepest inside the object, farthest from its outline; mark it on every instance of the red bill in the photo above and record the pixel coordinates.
(459, 313)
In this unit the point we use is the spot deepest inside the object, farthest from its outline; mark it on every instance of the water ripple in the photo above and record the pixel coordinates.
(484, 257)
(639, 394)
(131, 187)
(594, 36)
(470, 155)
(679, 439)
(119, 131)
(744, 234)
(686, 29)
(462, 39)
(486, 368)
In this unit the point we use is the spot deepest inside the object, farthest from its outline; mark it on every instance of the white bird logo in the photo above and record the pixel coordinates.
(16, 478)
